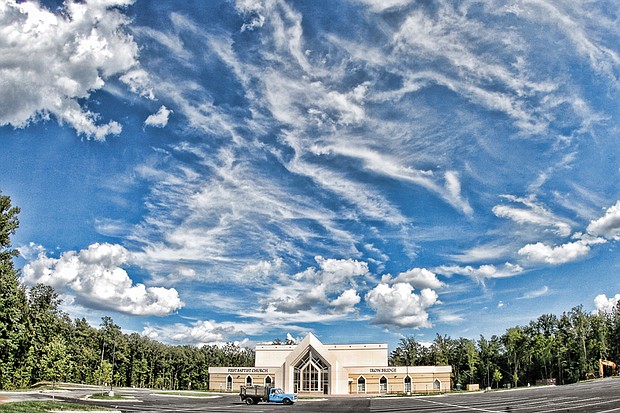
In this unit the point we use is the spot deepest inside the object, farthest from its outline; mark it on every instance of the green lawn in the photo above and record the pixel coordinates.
(42, 407)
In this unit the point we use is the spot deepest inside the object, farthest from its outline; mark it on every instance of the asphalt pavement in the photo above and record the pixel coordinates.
(599, 396)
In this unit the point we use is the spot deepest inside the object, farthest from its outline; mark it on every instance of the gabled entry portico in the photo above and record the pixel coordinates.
(309, 367)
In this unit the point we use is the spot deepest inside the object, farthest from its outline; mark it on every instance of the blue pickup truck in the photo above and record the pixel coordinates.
(256, 394)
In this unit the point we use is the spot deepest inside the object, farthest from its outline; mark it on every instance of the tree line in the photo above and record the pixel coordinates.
(38, 342)
(566, 348)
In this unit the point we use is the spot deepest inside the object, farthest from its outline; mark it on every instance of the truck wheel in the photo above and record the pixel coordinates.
(249, 400)
(287, 401)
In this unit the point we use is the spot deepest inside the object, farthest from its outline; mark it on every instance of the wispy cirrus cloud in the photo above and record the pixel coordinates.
(533, 214)
(541, 292)
(482, 272)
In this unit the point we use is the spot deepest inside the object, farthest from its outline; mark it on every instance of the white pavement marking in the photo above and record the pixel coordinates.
(476, 409)
(579, 406)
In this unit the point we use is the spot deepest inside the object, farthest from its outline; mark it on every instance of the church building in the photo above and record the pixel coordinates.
(316, 368)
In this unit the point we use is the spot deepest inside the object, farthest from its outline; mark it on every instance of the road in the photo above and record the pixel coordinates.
(600, 396)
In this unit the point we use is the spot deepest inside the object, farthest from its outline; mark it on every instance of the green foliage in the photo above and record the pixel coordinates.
(565, 348)
(497, 376)
(44, 407)
(14, 335)
(56, 360)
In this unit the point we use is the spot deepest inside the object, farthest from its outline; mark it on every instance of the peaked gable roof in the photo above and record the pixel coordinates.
(310, 341)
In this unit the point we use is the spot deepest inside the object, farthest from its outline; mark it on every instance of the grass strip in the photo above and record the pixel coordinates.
(44, 407)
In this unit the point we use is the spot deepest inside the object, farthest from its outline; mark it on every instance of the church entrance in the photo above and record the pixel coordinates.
(311, 373)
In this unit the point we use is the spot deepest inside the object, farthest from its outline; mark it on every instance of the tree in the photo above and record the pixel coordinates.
(497, 377)
(103, 374)
(472, 359)
(13, 304)
(407, 353)
(8, 225)
(46, 321)
(56, 360)
(514, 342)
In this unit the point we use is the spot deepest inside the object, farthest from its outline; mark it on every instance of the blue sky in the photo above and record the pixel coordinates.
(212, 171)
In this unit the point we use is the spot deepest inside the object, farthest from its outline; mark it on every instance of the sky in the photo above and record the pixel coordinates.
(366, 170)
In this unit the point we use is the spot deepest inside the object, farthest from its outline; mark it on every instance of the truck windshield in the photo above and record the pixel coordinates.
(277, 391)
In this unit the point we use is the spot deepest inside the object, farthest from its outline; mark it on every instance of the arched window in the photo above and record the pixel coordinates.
(229, 383)
(361, 384)
(437, 385)
(268, 381)
(248, 381)
(383, 385)
(407, 384)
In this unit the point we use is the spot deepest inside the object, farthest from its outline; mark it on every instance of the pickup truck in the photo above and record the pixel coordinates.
(256, 394)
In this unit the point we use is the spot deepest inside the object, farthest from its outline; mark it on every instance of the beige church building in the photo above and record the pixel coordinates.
(314, 367)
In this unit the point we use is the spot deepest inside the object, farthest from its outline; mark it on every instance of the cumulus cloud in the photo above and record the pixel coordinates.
(608, 225)
(561, 254)
(95, 277)
(398, 305)
(49, 61)
(346, 302)
(338, 271)
(159, 119)
(417, 277)
(331, 286)
(604, 304)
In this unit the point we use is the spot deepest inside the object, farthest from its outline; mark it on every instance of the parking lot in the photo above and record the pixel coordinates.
(600, 396)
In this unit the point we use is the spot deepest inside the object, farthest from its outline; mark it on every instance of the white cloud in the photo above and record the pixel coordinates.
(608, 225)
(561, 254)
(31, 251)
(263, 268)
(49, 61)
(159, 119)
(97, 280)
(336, 271)
(398, 305)
(346, 302)
(533, 213)
(379, 6)
(201, 332)
(483, 253)
(449, 318)
(607, 305)
(417, 277)
(387, 164)
(535, 294)
(482, 272)
(314, 289)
